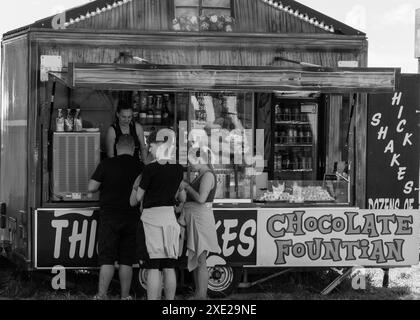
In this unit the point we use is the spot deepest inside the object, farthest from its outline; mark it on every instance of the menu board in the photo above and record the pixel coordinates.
(392, 166)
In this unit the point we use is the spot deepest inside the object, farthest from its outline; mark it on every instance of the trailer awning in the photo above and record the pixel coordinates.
(227, 78)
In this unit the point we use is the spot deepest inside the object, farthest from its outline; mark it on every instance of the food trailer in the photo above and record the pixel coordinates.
(285, 91)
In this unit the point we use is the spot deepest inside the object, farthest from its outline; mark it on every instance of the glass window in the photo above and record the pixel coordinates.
(216, 3)
(216, 11)
(202, 7)
(188, 12)
(223, 122)
(186, 3)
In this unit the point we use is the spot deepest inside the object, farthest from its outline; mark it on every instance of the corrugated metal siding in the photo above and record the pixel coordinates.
(14, 128)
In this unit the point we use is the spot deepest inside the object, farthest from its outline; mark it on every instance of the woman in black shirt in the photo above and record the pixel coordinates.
(158, 189)
(124, 124)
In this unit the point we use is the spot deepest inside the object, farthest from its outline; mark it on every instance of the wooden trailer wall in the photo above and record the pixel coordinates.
(157, 15)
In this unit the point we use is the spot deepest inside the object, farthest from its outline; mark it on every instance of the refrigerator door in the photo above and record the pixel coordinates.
(294, 139)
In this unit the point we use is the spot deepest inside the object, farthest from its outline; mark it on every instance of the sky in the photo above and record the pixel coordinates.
(389, 24)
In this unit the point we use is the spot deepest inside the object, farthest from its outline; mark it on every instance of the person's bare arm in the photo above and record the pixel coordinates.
(143, 148)
(140, 194)
(110, 142)
(207, 183)
(94, 186)
(133, 196)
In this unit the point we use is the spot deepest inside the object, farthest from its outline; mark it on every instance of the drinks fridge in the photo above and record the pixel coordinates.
(294, 139)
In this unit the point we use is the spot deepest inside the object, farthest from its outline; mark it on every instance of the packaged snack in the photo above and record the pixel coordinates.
(78, 124)
(60, 121)
(69, 121)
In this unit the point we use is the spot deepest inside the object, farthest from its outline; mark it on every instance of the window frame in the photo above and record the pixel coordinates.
(201, 7)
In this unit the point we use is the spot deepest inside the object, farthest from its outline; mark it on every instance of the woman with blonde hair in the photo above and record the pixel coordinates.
(157, 189)
(199, 220)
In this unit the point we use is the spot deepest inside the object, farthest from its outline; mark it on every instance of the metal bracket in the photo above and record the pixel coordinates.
(342, 275)
(247, 284)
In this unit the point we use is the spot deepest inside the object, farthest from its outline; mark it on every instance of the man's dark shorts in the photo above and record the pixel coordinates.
(117, 239)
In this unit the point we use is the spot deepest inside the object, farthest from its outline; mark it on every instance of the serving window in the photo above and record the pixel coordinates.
(307, 140)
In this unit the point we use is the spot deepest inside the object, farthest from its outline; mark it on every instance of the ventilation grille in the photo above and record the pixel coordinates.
(75, 158)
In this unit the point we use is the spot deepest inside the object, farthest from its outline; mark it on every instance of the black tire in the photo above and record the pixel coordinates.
(138, 284)
(223, 281)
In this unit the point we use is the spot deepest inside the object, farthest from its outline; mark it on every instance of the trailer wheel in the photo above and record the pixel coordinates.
(223, 280)
(139, 282)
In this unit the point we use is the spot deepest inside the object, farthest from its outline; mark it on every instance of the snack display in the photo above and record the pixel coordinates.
(296, 194)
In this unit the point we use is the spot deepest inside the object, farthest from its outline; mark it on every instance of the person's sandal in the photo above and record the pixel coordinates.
(127, 298)
(100, 297)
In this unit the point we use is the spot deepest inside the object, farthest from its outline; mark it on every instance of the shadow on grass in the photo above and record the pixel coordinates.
(308, 285)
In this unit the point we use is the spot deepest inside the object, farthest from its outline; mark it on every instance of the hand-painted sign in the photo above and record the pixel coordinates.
(337, 237)
(264, 238)
(392, 162)
(66, 238)
(237, 236)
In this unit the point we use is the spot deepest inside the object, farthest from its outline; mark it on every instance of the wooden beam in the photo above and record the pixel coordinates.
(260, 41)
(263, 79)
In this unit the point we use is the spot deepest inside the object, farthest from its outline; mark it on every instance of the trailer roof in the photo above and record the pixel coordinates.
(300, 11)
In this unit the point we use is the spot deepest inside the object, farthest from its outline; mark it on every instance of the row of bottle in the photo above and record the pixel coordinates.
(293, 160)
(288, 113)
(72, 122)
(153, 109)
(293, 135)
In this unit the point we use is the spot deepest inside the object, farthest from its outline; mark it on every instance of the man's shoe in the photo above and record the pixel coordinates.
(100, 297)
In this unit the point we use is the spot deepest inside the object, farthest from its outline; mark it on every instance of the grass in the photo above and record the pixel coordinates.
(404, 284)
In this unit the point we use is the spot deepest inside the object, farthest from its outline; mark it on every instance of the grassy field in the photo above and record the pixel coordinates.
(404, 284)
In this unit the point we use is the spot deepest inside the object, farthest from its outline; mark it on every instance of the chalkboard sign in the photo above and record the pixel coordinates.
(392, 166)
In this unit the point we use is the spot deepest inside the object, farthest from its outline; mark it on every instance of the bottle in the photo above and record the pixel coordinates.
(295, 114)
(295, 135)
(150, 113)
(308, 158)
(303, 161)
(277, 110)
(60, 121)
(290, 134)
(69, 122)
(166, 121)
(301, 135)
(283, 135)
(308, 135)
(286, 114)
(296, 164)
(143, 108)
(78, 124)
(158, 110)
(279, 162)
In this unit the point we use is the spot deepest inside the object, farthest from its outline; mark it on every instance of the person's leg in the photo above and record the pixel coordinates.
(169, 282)
(127, 254)
(202, 277)
(126, 275)
(107, 255)
(105, 277)
(195, 276)
(154, 281)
